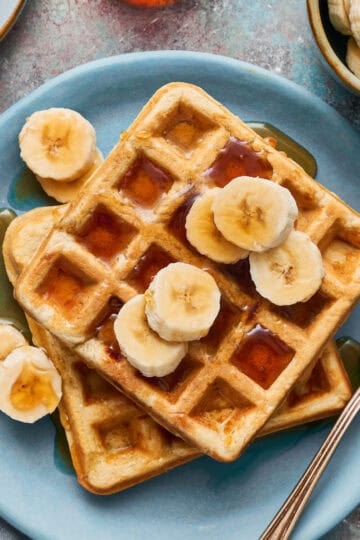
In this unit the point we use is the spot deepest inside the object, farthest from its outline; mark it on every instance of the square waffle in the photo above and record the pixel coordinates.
(113, 443)
(182, 143)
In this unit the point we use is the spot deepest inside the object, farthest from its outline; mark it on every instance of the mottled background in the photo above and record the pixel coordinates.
(52, 36)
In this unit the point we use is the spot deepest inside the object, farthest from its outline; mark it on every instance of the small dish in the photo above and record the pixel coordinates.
(9, 12)
(332, 45)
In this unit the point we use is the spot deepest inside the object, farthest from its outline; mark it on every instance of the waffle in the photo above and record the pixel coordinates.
(112, 442)
(217, 399)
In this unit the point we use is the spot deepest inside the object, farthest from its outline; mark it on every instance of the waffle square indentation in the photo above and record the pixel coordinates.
(153, 260)
(145, 183)
(342, 259)
(105, 235)
(303, 314)
(66, 286)
(172, 385)
(229, 316)
(262, 356)
(186, 129)
(237, 158)
(220, 407)
(315, 384)
(94, 387)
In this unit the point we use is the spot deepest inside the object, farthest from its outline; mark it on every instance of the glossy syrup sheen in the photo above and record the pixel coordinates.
(153, 260)
(145, 183)
(106, 235)
(105, 328)
(63, 287)
(237, 158)
(262, 356)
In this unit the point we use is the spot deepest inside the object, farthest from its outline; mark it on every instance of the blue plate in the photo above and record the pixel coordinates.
(203, 499)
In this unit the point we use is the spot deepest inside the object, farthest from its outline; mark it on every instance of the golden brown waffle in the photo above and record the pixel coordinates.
(218, 398)
(113, 443)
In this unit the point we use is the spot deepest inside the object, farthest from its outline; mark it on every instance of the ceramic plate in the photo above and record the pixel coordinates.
(203, 499)
(9, 12)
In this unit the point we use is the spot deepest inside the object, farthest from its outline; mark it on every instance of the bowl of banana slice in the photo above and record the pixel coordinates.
(335, 26)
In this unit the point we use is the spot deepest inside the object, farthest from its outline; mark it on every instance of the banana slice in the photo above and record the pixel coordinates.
(353, 56)
(339, 16)
(288, 273)
(24, 236)
(67, 191)
(143, 348)
(58, 144)
(354, 16)
(182, 302)
(10, 339)
(30, 385)
(205, 237)
(253, 213)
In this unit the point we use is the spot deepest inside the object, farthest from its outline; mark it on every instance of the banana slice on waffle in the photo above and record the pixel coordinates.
(289, 273)
(182, 302)
(254, 214)
(143, 348)
(202, 233)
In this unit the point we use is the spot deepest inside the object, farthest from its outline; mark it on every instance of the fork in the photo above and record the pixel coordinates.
(285, 520)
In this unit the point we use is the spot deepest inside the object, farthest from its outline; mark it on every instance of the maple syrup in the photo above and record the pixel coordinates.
(262, 356)
(177, 223)
(105, 234)
(237, 158)
(153, 260)
(105, 328)
(228, 317)
(63, 287)
(303, 313)
(240, 271)
(145, 183)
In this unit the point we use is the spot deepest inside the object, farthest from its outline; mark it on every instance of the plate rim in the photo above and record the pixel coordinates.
(235, 64)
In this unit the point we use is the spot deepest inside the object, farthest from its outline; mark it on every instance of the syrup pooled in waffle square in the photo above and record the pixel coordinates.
(129, 222)
(113, 443)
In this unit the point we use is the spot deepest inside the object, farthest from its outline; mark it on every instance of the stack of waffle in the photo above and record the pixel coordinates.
(217, 401)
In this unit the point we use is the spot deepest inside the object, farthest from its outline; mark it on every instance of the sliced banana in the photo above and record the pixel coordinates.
(253, 213)
(205, 237)
(30, 385)
(58, 144)
(10, 339)
(67, 191)
(182, 302)
(339, 16)
(24, 236)
(144, 349)
(354, 16)
(289, 273)
(353, 56)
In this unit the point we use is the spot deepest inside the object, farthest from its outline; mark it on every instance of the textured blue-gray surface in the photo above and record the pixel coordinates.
(54, 35)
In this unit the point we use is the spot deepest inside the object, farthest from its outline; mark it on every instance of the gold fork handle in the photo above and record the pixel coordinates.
(283, 523)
